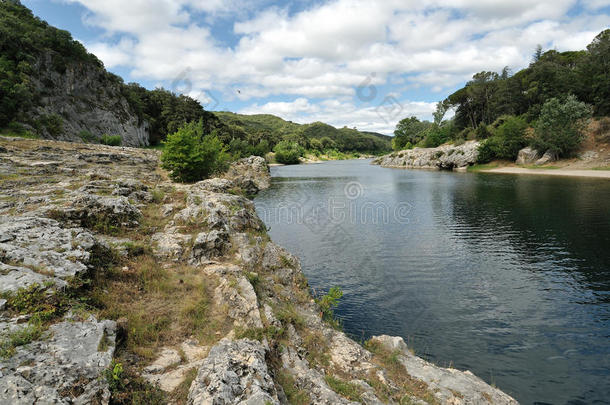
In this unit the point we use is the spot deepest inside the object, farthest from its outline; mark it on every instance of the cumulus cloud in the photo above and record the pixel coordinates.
(327, 49)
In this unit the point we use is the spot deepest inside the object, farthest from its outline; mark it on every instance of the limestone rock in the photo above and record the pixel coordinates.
(238, 295)
(527, 156)
(40, 250)
(310, 380)
(87, 99)
(548, 157)
(64, 368)
(167, 372)
(251, 174)
(214, 185)
(89, 210)
(449, 385)
(442, 157)
(235, 372)
(209, 245)
(170, 243)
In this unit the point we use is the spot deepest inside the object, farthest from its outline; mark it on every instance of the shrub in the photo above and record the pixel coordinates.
(505, 143)
(86, 136)
(111, 140)
(482, 132)
(191, 155)
(560, 127)
(288, 152)
(487, 150)
(54, 124)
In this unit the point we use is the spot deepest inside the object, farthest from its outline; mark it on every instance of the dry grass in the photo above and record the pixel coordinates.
(407, 385)
(163, 307)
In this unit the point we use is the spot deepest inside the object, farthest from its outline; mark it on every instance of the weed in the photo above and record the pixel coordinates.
(345, 389)
(23, 336)
(295, 395)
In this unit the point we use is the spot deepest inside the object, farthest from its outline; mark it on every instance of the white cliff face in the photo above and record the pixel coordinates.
(273, 345)
(444, 157)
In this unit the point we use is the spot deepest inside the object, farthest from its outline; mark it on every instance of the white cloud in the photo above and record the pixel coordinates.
(327, 50)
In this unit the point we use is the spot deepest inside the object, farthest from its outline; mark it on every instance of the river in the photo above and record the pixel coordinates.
(505, 275)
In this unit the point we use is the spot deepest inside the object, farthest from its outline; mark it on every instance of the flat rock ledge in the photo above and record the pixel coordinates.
(445, 157)
(63, 368)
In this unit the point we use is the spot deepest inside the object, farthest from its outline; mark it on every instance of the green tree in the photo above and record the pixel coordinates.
(409, 130)
(191, 154)
(560, 127)
(288, 152)
(596, 71)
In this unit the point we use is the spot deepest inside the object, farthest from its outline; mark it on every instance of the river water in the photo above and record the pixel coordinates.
(505, 275)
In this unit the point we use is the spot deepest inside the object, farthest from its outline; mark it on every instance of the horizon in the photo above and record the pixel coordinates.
(345, 63)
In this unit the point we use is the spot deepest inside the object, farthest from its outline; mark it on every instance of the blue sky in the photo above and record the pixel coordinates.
(364, 64)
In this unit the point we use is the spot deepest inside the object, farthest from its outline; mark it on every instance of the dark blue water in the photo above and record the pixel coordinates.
(505, 275)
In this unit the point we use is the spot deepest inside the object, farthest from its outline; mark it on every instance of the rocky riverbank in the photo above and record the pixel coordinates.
(120, 286)
(446, 157)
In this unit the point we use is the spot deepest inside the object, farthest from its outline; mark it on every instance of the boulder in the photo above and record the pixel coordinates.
(251, 174)
(527, 156)
(235, 372)
(548, 157)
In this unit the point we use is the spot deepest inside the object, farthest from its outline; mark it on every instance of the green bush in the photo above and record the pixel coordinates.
(487, 150)
(560, 127)
(505, 143)
(111, 140)
(86, 136)
(54, 124)
(192, 155)
(288, 152)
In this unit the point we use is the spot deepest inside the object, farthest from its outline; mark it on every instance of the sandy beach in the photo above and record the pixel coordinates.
(602, 174)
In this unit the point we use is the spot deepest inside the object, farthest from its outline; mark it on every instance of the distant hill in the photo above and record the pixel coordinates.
(274, 129)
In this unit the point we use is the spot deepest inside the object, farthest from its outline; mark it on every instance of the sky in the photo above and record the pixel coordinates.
(356, 63)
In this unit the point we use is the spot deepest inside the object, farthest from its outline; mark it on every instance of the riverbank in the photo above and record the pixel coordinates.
(592, 173)
(168, 290)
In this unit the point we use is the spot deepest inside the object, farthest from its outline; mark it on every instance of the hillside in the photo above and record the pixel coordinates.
(274, 129)
(51, 87)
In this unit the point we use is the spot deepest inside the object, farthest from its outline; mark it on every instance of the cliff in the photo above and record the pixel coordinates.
(445, 157)
(120, 286)
(52, 87)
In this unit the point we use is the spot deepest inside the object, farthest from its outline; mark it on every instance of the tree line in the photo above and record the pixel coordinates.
(554, 87)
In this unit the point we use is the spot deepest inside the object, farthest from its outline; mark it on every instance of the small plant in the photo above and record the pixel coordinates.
(21, 337)
(111, 140)
(86, 136)
(114, 376)
(345, 389)
(327, 303)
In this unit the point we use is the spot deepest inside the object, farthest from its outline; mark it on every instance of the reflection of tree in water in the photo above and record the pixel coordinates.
(557, 223)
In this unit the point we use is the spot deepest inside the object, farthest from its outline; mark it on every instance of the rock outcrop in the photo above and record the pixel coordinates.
(445, 157)
(245, 331)
(527, 156)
